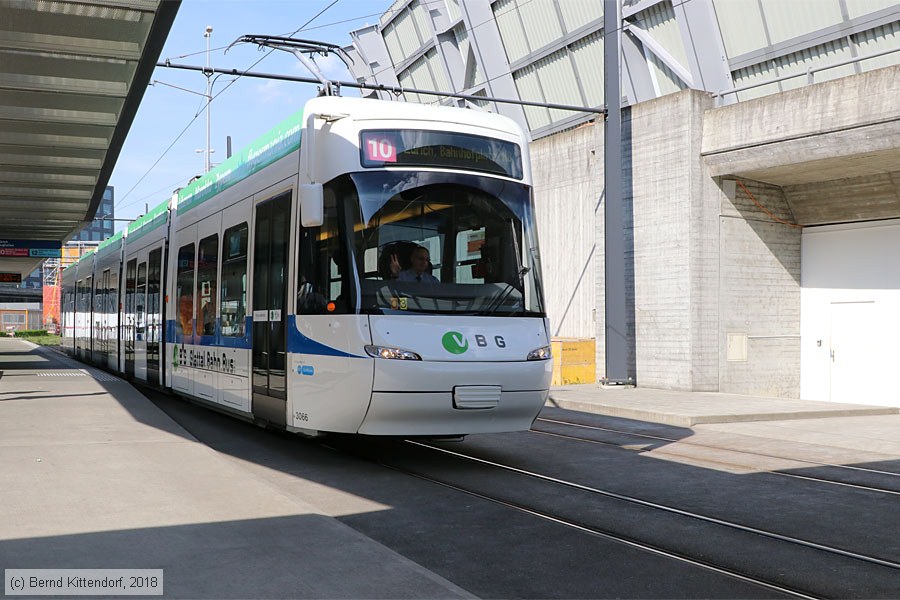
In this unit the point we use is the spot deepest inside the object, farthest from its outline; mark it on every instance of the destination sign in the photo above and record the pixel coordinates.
(10, 277)
(421, 148)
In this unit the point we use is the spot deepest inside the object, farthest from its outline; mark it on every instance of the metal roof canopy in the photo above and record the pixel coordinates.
(72, 75)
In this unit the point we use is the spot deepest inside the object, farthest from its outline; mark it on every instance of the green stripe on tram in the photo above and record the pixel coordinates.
(265, 150)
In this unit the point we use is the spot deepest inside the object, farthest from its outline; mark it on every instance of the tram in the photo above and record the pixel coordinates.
(366, 267)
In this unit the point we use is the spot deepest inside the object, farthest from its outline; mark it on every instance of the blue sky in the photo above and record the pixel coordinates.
(245, 110)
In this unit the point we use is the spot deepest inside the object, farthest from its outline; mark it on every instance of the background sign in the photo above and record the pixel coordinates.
(31, 248)
(10, 277)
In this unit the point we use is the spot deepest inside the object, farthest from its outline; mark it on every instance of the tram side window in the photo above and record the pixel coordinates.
(140, 303)
(154, 280)
(130, 290)
(184, 290)
(103, 304)
(320, 272)
(88, 304)
(207, 285)
(98, 308)
(234, 280)
(113, 306)
(79, 303)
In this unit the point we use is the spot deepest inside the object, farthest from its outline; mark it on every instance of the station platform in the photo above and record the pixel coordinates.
(93, 475)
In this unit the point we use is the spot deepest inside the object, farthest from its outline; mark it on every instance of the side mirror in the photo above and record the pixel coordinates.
(312, 204)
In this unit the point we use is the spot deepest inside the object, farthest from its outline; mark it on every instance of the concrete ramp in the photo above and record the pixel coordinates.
(686, 409)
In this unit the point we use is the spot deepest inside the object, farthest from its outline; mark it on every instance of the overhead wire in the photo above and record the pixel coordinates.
(513, 6)
(230, 83)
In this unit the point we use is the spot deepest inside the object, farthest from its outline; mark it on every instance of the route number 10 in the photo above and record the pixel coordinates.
(381, 150)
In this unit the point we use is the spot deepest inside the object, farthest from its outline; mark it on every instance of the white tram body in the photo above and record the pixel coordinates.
(280, 287)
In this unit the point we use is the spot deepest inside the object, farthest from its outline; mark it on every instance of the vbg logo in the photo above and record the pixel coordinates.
(456, 343)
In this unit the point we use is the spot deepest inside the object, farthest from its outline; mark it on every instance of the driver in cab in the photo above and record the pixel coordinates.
(420, 260)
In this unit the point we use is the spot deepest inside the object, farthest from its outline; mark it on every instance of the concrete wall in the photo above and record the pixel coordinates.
(568, 175)
(833, 147)
(702, 260)
(847, 103)
(660, 173)
(760, 292)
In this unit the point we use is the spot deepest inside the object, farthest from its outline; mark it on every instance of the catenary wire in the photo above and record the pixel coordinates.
(191, 122)
(514, 6)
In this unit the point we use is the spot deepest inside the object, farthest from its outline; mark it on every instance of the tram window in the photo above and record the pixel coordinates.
(79, 296)
(154, 280)
(320, 274)
(130, 275)
(103, 293)
(472, 265)
(234, 280)
(140, 302)
(207, 285)
(113, 305)
(184, 290)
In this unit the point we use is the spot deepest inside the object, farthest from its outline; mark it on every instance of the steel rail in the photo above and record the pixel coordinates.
(643, 546)
(671, 509)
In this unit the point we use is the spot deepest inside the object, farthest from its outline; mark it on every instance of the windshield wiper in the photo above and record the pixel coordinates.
(498, 301)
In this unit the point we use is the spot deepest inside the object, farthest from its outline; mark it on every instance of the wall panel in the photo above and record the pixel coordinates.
(787, 20)
(511, 32)
(741, 24)
(529, 88)
(588, 56)
(542, 26)
(577, 13)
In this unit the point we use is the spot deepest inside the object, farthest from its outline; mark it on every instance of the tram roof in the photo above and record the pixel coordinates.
(72, 75)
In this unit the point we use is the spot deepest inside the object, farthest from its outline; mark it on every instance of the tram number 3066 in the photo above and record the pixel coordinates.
(301, 416)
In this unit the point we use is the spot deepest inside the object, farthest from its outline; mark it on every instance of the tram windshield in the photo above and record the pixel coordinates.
(406, 243)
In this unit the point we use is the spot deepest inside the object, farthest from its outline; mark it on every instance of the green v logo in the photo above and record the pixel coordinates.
(455, 342)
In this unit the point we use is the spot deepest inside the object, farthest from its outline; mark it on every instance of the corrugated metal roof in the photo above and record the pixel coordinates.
(72, 75)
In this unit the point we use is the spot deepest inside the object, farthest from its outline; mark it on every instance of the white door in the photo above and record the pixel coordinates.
(856, 370)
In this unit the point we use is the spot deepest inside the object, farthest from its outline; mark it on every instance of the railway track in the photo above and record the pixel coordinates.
(653, 524)
(856, 566)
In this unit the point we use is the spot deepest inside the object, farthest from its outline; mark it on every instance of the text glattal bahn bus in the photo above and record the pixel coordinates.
(281, 286)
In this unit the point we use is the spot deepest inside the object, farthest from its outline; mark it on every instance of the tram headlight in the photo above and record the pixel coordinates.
(542, 353)
(395, 353)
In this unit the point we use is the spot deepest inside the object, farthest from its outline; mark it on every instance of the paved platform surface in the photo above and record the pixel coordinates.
(93, 475)
(686, 409)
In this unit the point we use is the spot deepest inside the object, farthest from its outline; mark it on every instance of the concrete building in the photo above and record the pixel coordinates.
(761, 142)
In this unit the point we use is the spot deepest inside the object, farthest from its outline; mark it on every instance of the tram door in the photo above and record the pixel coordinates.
(88, 318)
(128, 322)
(270, 256)
(154, 314)
(140, 323)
